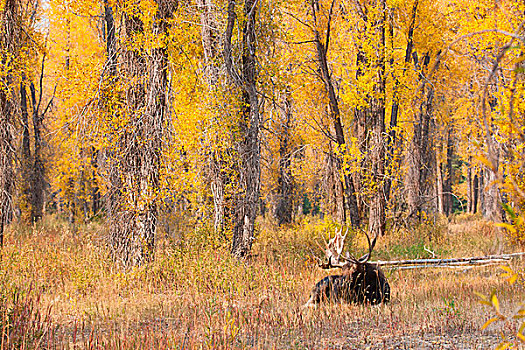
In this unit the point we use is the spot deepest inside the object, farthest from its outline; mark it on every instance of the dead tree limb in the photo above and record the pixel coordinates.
(453, 262)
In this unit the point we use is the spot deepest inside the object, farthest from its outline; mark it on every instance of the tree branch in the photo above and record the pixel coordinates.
(227, 51)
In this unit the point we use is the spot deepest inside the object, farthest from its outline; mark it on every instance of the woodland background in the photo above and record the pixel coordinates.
(214, 124)
(163, 115)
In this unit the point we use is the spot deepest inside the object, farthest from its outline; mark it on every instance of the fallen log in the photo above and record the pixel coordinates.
(452, 263)
(463, 267)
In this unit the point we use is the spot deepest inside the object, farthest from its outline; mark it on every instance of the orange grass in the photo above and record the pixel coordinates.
(196, 296)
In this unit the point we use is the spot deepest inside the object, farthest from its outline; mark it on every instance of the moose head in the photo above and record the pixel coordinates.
(360, 281)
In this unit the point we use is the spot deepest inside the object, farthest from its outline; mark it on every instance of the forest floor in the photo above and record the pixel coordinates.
(60, 289)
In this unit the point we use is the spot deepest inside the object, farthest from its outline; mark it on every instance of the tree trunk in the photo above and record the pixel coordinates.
(377, 218)
(9, 36)
(216, 166)
(284, 208)
(248, 146)
(449, 174)
(392, 137)
(440, 199)
(95, 190)
(475, 188)
(481, 190)
(491, 200)
(421, 161)
(346, 199)
(217, 189)
(37, 178)
(25, 162)
(470, 187)
(134, 188)
(210, 42)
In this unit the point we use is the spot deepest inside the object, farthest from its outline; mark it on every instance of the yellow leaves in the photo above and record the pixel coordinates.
(486, 324)
(521, 337)
(503, 346)
(493, 302)
(509, 227)
(521, 314)
(511, 276)
(396, 3)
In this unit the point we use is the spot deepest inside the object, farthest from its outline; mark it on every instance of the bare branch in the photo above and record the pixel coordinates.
(425, 263)
(227, 51)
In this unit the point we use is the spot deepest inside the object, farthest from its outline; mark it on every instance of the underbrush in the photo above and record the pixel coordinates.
(24, 323)
(195, 295)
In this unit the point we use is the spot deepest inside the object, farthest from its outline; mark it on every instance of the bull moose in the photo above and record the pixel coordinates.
(360, 281)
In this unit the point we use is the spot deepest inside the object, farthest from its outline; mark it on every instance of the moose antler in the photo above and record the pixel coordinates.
(334, 247)
(371, 246)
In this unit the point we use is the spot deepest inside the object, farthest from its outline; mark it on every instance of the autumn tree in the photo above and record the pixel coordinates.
(285, 181)
(210, 111)
(243, 73)
(134, 159)
(33, 170)
(370, 118)
(10, 33)
(217, 165)
(72, 167)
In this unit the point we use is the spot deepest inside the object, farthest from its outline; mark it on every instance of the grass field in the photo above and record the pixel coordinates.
(60, 289)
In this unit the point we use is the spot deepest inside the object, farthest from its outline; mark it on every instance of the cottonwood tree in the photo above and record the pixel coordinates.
(285, 182)
(392, 141)
(370, 117)
(218, 167)
(33, 170)
(373, 91)
(71, 157)
(134, 160)
(342, 191)
(242, 69)
(10, 33)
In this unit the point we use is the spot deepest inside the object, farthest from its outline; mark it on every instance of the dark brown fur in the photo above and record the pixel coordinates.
(362, 283)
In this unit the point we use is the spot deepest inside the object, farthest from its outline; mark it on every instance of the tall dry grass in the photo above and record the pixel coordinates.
(196, 296)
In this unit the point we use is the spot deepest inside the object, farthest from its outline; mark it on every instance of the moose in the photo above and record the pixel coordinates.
(360, 282)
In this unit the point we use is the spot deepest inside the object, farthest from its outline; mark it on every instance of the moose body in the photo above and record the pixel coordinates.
(360, 281)
(360, 284)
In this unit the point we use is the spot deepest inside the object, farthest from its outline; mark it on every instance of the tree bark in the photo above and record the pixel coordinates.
(284, 208)
(9, 41)
(421, 155)
(481, 190)
(475, 190)
(346, 200)
(37, 178)
(134, 188)
(470, 187)
(392, 136)
(95, 190)
(210, 42)
(440, 203)
(449, 174)
(377, 218)
(25, 161)
(248, 147)
(491, 200)
(216, 168)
